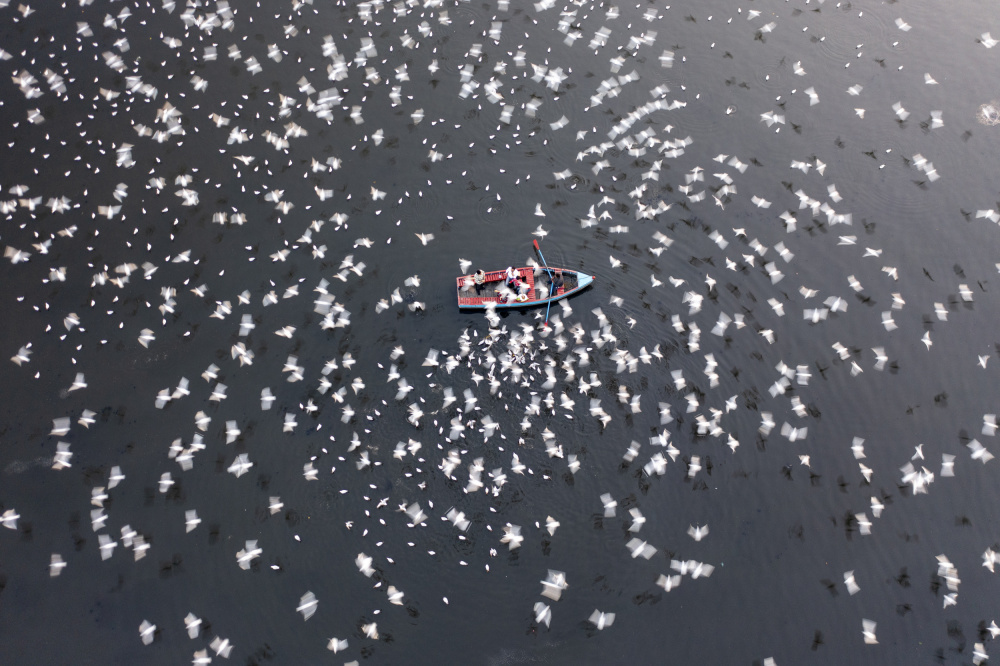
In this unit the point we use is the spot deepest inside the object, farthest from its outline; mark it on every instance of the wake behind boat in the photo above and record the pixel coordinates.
(536, 290)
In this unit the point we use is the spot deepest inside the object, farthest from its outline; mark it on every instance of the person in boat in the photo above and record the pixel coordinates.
(557, 282)
(520, 290)
(479, 279)
(510, 277)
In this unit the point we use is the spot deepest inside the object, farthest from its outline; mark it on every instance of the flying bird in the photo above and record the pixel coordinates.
(307, 605)
(147, 631)
(601, 620)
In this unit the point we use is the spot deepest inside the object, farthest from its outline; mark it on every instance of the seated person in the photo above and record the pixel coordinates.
(510, 276)
(520, 291)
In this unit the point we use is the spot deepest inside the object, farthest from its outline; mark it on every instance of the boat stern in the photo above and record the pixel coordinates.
(583, 279)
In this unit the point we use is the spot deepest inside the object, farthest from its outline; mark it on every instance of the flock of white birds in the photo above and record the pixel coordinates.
(508, 399)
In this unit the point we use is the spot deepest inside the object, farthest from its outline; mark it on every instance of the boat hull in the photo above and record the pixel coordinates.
(491, 293)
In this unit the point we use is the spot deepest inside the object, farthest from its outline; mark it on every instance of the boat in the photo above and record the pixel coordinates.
(493, 292)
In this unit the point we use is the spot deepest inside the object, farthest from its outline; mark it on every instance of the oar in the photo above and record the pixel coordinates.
(551, 284)
(539, 250)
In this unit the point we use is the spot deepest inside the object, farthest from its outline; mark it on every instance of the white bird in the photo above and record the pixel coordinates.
(60, 426)
(232, 431)
(221, 646)
(364, 564)
(9, 519)
(191, 519)
(337, 645)
(638, 520)
(56, 565)
(458, 519)
(543, 614)
(880, 357)
(609, 505)
(307, 605)
(23, 355)
(107, 546)
(601, 620)
(697, 533)
(416, 515)
(668, 582)
(115, 477)
(554, 584)
(266, 398)
(193, 625)
(146, 632)
(990, 558)
(639, 548)
(241, 465)
(551, 524)
(78, 383)
(979, 452)
(246, 555)
(512, 536)
(868, 631)
(864, 525)
(700, 569)
(395, 596)
(404, 389)
(852, 586)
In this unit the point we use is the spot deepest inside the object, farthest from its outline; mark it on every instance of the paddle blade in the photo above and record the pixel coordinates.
(535, 241)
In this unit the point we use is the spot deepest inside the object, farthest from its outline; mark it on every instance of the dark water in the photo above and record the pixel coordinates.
(472, 172)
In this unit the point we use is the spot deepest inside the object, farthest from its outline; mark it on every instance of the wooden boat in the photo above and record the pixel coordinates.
(493, 291)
